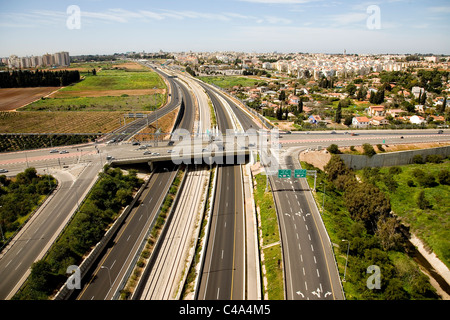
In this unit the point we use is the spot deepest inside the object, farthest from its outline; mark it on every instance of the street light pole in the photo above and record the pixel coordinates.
(346, 261)
(109, 274)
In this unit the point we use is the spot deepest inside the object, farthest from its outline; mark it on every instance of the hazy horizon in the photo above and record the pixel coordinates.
(285, 26)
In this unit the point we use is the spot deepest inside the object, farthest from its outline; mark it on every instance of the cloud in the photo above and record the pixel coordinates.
(442, 9)
(280, 1)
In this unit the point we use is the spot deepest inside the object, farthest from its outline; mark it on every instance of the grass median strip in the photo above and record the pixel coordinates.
(271, 259)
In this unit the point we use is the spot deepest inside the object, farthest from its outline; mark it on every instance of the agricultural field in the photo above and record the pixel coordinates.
(59, 122)
(120, 87)
(14, 98)
(123, 103)
(229, 82)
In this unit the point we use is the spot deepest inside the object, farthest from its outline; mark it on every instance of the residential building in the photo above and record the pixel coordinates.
(377, 111)
(417, 119)
(314, 119)
(360, 122)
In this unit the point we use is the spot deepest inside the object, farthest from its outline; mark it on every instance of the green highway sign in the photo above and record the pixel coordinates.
(284, 173)
(301, 173)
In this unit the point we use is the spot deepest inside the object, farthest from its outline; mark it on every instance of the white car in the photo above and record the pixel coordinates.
(64, 152)
(3, 171)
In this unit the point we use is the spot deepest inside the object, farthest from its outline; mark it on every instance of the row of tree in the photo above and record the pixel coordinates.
(20, 196)
(25, 78)
(113, 191)
(361, 214)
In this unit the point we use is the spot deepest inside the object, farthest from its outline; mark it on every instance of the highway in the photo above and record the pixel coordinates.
(32, 242)
(223, 276)
(119, 257)
(309, 268)
(309, 264)
(164, 280)
(112, 267)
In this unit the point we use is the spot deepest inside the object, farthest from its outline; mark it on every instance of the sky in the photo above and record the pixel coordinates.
(310, 26)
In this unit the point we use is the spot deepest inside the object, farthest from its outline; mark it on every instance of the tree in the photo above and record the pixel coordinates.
(333, 149)
(366, 203)
(368, 150)
(300, 106)
(336, 167)
(282, 95)
(351, 89)
(94, 72)
(388, 234)
(444, 177)
(421, 201)
(338, 116)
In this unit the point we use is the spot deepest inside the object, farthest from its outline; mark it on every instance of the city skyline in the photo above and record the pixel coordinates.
(106, 27)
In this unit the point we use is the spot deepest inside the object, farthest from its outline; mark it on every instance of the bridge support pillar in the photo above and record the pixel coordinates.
(152, 167)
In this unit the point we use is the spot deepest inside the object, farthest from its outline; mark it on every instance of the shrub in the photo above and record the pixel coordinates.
(418, 159)
(333, 149)
(427, 180)
(422, 201)
(395, 170)
(444, 177)
(380, 147)
(434, 158)
(368, 150)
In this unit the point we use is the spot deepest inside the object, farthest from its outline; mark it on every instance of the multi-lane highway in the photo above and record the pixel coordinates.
(118, 259)
(32, 242)
(223, 276)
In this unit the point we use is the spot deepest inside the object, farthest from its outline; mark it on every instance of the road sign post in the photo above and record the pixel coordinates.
(301, 173)
(284, 173)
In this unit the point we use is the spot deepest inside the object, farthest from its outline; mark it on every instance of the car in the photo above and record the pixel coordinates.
(440, 131)
(354, 134)
(3, 171)
(54, 151)
(142, 147)
(333, 132)
(288, 132)
(109, 158)
(156, 154)
(170, 151)
(64, 152)
(136, 143)
(147, 153)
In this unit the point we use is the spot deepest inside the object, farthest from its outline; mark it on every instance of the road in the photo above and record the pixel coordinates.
(223, 275)
(308, 259)
(114, 264)
(38, 234)
(112, 267)
(309, 264)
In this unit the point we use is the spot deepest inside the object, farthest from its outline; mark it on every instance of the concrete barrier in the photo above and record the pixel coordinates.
(357, 162)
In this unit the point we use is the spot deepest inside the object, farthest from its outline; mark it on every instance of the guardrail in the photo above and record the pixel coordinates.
(64, 293)
(141, 283)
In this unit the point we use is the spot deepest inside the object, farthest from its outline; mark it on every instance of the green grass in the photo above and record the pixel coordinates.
(270, 235)
(108, 103)
(229, 82)
(119, 80)
(432, 225)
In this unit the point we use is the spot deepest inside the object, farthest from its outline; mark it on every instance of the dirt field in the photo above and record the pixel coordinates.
(14, 98)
